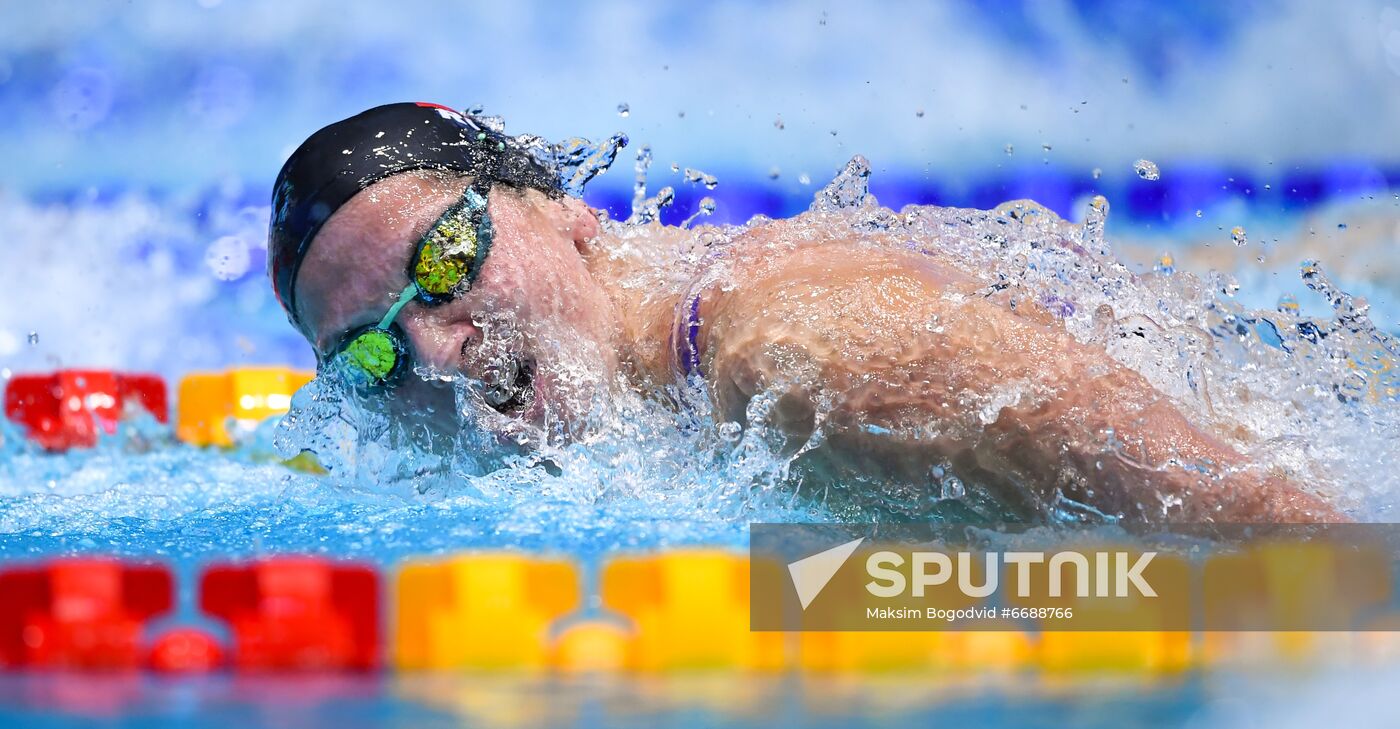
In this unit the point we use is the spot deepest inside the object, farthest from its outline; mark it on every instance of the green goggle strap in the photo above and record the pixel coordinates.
(408, 295)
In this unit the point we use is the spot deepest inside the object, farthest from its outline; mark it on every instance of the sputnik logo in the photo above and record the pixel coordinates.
(810, 574)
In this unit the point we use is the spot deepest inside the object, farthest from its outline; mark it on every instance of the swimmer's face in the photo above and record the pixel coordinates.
(534, 332)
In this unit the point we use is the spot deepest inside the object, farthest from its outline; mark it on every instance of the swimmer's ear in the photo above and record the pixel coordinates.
(580, 222)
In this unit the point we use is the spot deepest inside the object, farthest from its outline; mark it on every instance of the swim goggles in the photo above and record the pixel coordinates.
(446, 263)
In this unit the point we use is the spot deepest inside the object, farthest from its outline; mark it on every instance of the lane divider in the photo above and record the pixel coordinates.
(70, 408)
(677, 611)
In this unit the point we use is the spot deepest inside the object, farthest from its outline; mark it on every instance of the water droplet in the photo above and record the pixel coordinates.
(774, 173)
(705, 207)
(1046, 146)
(1341, 226)
(623, 110)
(33, 338)
(1199, 213)
(949, 486)
(1009, 149)
(778, 123)
(804, 179)
(1238, 236)
(1094, 220)
(694, 176)
(1097, 173)
(675, 167)
(1147, 169)
(919, 113)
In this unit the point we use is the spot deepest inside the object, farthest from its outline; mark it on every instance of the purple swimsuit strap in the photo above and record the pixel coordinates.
(689, 351)
(686, 337)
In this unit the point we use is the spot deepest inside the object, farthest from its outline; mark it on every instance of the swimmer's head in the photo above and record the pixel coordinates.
(364, 211)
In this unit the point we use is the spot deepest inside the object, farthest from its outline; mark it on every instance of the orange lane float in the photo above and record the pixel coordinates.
(689, 610)
(481, 611)
(69, 408)
(217, 408)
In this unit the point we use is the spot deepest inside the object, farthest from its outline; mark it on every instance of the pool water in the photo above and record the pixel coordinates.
(1224, 701)
(697, 701)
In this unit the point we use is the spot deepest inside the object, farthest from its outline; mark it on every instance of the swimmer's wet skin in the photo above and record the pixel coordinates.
(804, 313)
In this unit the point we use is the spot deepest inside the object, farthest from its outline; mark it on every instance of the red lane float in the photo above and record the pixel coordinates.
(65, 409)
(79, 613)
(296, 613)
(185, 650)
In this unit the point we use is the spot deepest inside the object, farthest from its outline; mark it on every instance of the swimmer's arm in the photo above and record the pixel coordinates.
(1162, 466)
(1011, 396)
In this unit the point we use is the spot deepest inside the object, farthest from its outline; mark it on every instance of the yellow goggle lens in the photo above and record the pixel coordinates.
(446, 256)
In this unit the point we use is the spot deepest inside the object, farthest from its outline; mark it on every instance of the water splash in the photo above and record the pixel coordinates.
(647, 209)
(1095, 219)
(576, 161)
(849, 189)
(639, 180)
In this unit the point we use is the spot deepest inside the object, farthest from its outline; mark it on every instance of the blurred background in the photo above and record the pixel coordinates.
(139, 140)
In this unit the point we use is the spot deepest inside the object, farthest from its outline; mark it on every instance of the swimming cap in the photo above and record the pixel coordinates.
(337, 162)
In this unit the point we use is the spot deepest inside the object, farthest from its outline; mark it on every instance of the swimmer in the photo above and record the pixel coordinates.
(411, 244)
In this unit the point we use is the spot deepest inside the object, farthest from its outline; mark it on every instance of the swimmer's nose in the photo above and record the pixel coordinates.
(437, 343)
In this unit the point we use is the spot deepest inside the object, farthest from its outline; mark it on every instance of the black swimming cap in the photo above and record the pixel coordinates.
(335, 163)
